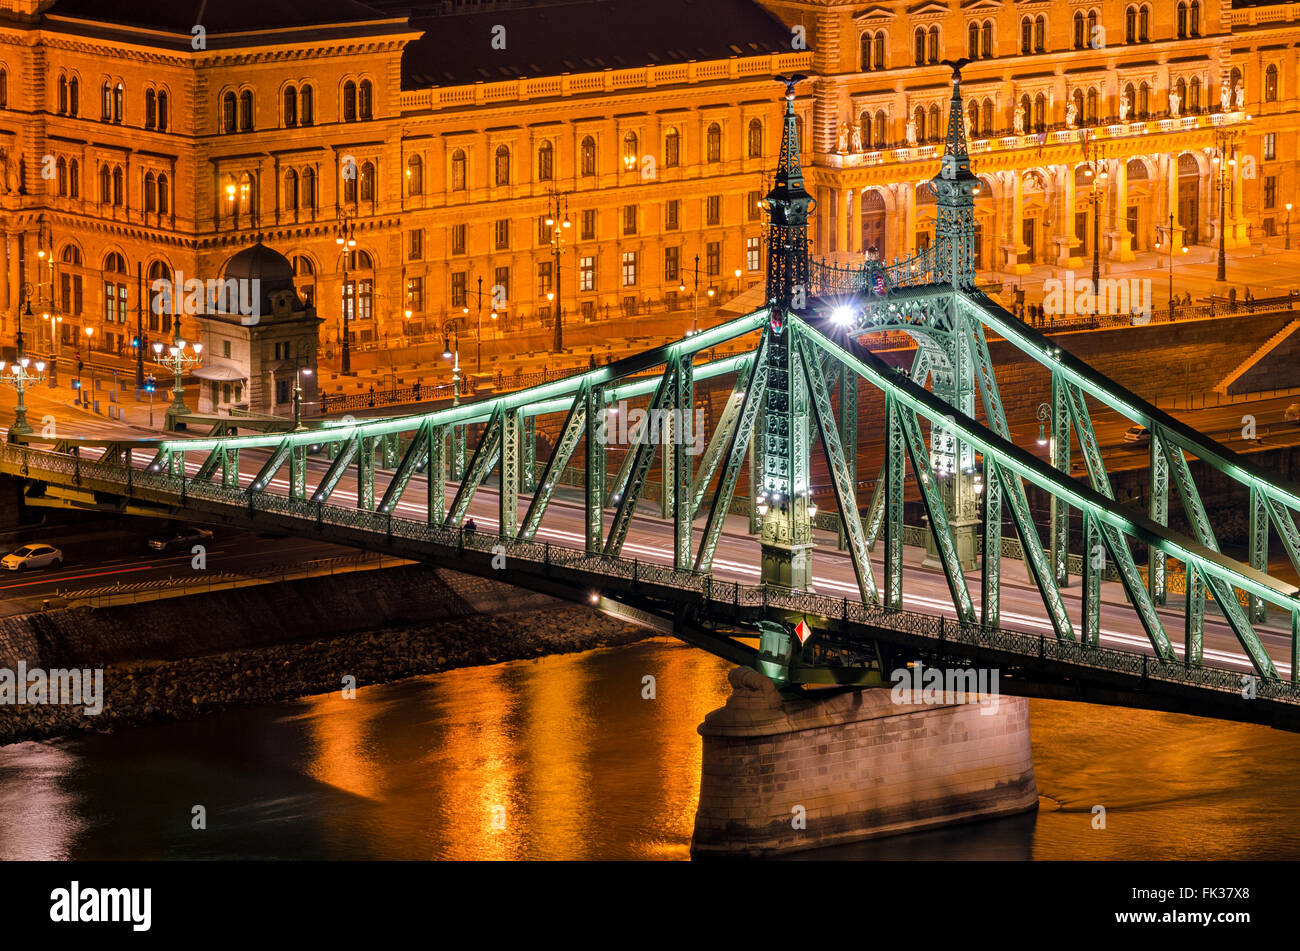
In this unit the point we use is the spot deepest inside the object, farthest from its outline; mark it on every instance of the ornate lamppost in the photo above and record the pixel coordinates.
(345, 236)
(557, 219)
(1170, 229)
(1096, 171)
(178, 360)
(20, 377)
(1225, 155)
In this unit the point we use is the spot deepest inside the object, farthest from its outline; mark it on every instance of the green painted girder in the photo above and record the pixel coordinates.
(1040, 569)
(841, 479)
(739, 445)
(416, 453)
(721, 437)
(435, 474)
(619, 488)
(1060, 510)
(298, 472)
(1128, 404)
(458, 437)
(532, 400)
(272, 465)
(528, 473)
(1194, 618)
(366, 451)
(1258, 554)
(1221, 588)
(1286, 530)
(594, 481)
(508, 497)
(934, 507)
(1094, 567)
(481, 463)
(683, 507)
(1295, 647)
(991, 557)
(889, 490)
(570, 435)
(1115, 542)
(876, 507)
(230, 468)
(1159, 512)
(645, 451)
(210, 464)
(347, 451)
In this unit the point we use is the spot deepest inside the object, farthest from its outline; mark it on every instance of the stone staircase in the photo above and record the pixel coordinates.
(1264, 350)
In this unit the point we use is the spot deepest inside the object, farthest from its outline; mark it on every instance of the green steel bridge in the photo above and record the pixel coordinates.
(740, 584)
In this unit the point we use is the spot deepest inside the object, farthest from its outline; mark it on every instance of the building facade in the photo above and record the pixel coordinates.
(408, 167)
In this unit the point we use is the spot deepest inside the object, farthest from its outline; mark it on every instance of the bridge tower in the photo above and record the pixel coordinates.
(954, 373)
(785, 427)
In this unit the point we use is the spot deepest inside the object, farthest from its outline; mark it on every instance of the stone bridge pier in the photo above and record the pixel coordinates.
(784, 775)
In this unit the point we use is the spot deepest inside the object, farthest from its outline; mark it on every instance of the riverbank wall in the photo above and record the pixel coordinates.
(183, 657)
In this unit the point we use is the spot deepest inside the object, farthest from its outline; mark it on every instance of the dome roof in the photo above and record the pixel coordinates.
(261, 263)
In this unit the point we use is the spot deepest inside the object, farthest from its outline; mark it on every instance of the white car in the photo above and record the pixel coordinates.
(32, 556)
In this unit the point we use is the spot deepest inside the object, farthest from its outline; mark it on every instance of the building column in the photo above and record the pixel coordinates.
(838, 197)
(1065, 239)
(855, 222)
(1014, 246)
(908, 195)
(1171, 202)
(4, 277)
(1237, 225)
(1121, 242)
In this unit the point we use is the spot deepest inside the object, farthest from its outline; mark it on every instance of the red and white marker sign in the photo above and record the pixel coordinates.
(804, 632)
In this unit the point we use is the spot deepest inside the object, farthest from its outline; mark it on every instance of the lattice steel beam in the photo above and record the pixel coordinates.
(641, 465)
(570, 435)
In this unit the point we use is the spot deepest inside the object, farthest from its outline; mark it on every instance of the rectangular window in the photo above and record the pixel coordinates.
(1270, 146)
(415, 247)
(629, 306)
(713, 210)
(670, 216)
(543, 232)
(589, 224)
(459, 238)
(458, 289)
(588, 310)
(225, 349)
(629, 219)
(1270, 191)
(753, 253)
(503, 282)
(503, 234)
(629, 268)
(753, 205)
(543, 279)
(587, 274)
(415, 295)
(672, 263)
(713, 256)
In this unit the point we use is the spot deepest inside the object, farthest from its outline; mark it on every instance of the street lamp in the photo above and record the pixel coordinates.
(1044, 414)
(20, 377)
(557, 220)
(479, 306)
(737, 273)
(1226, 140)
(178, 361)
(298, 374)
(1170, 229)
(1096, 196)
(1288, 226)
(345, 236)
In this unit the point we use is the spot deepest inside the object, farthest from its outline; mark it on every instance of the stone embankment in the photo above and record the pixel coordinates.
(185, 657)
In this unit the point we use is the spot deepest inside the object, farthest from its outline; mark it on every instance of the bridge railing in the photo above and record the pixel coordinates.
(715, 594)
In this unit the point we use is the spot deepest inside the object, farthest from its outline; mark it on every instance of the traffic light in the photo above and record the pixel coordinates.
(80, 365)
(135, 342)
(76, 384)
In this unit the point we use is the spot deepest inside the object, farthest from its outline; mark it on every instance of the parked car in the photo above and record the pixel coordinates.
(183, 538)
(1292, 414)
(1138, 435)
(32, 556)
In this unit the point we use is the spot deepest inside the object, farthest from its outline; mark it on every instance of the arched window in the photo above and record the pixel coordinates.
(864, 52)
(105, 185)
(630, 146)
(588, 156)
(1270, 84)
(1181, 87)
(501, 167)
(74, 178)
(118, 187)
(1040, 34)
(933, 44)
(115, 292)
(1080, 36)
(1091, 111)
(158, 271)
(163, 117)
(545, 162)
(247, 198)
(973, 118)
(229, 113)
(987, 123)
(1144, 23)
(973, 40)
(74, 96)
(1130, 25)
(366, 180)
(1144, 101)
(918, 46)
(755, 138)
(246, 111)
(1026, 36)
(714, 142)
(349, 101)
(304, 277)
(70, 282)
(150, 108)
(106, 102)
(350, 189)
(150, 199)
(290, 106)
(1194, 20)
(882, 129)
(1040, 112)
(1194, 94)
(988, 39)
(63, 95)
(1027, 108)
(919, 118)
(308, 188)
(672, 149)
(306, 105)
(4, 88)
(365, 100)
(119, 104)
(1077, 99)
(879, 45)
(61, 167)
(1130, 96)
(1092, 26)
(936, 127)
(290, 190)
(864, 129)
(414, 176)
(1182, 19)
(164, 193)
(458, 170)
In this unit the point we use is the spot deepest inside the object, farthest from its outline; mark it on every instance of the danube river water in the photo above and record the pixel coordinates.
(565, 758)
